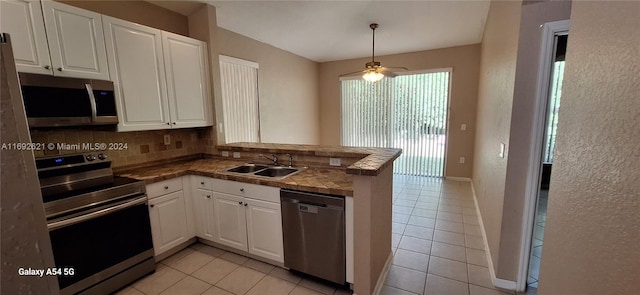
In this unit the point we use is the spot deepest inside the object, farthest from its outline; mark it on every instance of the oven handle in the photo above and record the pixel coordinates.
(93, 215)
(92, 101)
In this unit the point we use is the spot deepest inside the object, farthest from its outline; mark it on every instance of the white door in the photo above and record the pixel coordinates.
(168, 221)
(76, 41)
(136, 64)
(187, 81)
(205, 222)
(23, 20)
(264, 228)
(231, 226)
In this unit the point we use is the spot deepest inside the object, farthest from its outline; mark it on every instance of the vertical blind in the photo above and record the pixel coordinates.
(554, 106)
(408, 112)
(240, 100)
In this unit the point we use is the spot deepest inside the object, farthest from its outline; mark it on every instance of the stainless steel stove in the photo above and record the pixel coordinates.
(98, 223)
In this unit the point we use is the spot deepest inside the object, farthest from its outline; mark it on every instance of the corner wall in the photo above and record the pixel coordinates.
(495, 98)
(592, 235)
(287, 86)
(464, 87)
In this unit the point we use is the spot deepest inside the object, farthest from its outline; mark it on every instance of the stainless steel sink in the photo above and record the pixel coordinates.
(264, 170)
(276, 171)
(247, 168)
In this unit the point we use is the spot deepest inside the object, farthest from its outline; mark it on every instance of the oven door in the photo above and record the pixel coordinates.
(99, 243)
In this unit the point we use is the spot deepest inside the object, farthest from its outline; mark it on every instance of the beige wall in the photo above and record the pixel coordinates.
(592, 236)
(464, 81)
(495, 97)
(288, 89)
(534, 14)
(140, 12)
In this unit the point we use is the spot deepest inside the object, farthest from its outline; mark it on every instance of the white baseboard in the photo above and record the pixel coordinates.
(458, 178)
(383, 275)
(497, 282)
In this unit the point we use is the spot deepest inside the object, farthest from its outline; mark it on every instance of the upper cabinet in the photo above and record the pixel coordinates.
(67, 42)
(161, 78)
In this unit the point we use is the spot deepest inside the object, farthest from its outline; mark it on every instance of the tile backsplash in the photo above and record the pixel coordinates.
(126, 148)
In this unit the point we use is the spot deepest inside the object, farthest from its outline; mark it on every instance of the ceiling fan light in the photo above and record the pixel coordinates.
(372, 76)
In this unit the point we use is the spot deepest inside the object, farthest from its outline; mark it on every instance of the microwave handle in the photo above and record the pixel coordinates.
(92, 101)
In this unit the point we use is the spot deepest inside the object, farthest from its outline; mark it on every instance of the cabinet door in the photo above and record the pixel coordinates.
(76, 41)
(264, 228)
(187, 81)
(168, 221)
(22, 19)
(205, 221)
(231, 226)
(136, 64)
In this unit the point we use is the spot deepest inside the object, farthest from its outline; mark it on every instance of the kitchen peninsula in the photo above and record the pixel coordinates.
(362, 175)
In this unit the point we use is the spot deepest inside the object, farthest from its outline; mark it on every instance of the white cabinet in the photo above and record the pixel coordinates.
(170, 212)
(22, 19)
(243, 216)
(76, 41)
(73, 45)
(187, 75)
(230, 220)
(161, 78)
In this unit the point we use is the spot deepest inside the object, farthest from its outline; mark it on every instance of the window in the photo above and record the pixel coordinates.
(240, 100)
(408, 112)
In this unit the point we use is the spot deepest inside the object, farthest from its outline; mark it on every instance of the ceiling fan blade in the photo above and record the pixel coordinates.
(353, 74)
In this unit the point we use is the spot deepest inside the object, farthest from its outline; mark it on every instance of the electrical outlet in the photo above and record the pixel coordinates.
(334, 161)
(463, 127)
(461, 160)
(236, 155)
(225, 153)
(167, 139)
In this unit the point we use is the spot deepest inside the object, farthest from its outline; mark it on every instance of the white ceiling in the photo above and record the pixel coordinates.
(336, 30)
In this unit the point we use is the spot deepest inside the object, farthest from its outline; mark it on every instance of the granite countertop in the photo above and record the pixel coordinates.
(312, 179)
(338, 181)
(372, 162)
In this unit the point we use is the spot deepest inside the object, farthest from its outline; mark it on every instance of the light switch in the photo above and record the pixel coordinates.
(502, 148)
(461, 160)
(167, 139)
(463, 127)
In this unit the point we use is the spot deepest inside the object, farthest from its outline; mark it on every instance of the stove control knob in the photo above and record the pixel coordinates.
(91, 158)
(102, 156)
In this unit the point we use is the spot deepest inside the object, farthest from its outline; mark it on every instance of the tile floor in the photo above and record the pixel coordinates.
(437, 244)
(538, 238)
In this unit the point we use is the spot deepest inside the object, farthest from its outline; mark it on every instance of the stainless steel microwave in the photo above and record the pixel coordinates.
(55, 101)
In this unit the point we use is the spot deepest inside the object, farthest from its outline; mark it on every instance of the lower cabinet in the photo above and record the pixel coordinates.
(241, 216)
(170, 213)
(168, 216)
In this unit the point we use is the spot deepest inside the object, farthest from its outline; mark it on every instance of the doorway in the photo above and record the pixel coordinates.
(551, 76)
(409, 112)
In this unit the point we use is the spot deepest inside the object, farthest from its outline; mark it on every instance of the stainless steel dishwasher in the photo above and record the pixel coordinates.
(314, 234)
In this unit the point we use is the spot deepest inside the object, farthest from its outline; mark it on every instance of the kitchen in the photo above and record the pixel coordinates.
(481, 90)
(183, 147)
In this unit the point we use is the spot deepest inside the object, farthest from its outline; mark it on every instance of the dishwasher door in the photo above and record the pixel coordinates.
(314, 234)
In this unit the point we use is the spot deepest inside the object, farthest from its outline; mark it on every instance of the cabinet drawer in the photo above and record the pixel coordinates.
(164, 187)
(254, 191)
(201, 182)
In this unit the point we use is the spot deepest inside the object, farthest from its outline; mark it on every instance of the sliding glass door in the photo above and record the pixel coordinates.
(408, 112)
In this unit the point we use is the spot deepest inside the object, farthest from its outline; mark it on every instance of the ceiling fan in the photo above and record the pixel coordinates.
(373, 70)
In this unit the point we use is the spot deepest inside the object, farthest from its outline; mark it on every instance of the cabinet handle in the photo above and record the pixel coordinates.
(59, 69)
(166, 187)
(174, 123)
(245, 204)
(47, 67)
(240, 203)
(151, 206)
(208, 197)
(242, 190)
(202, 182)
(168, 123)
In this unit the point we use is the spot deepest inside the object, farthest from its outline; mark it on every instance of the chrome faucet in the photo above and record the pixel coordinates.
(290, 160)
(273, 159)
